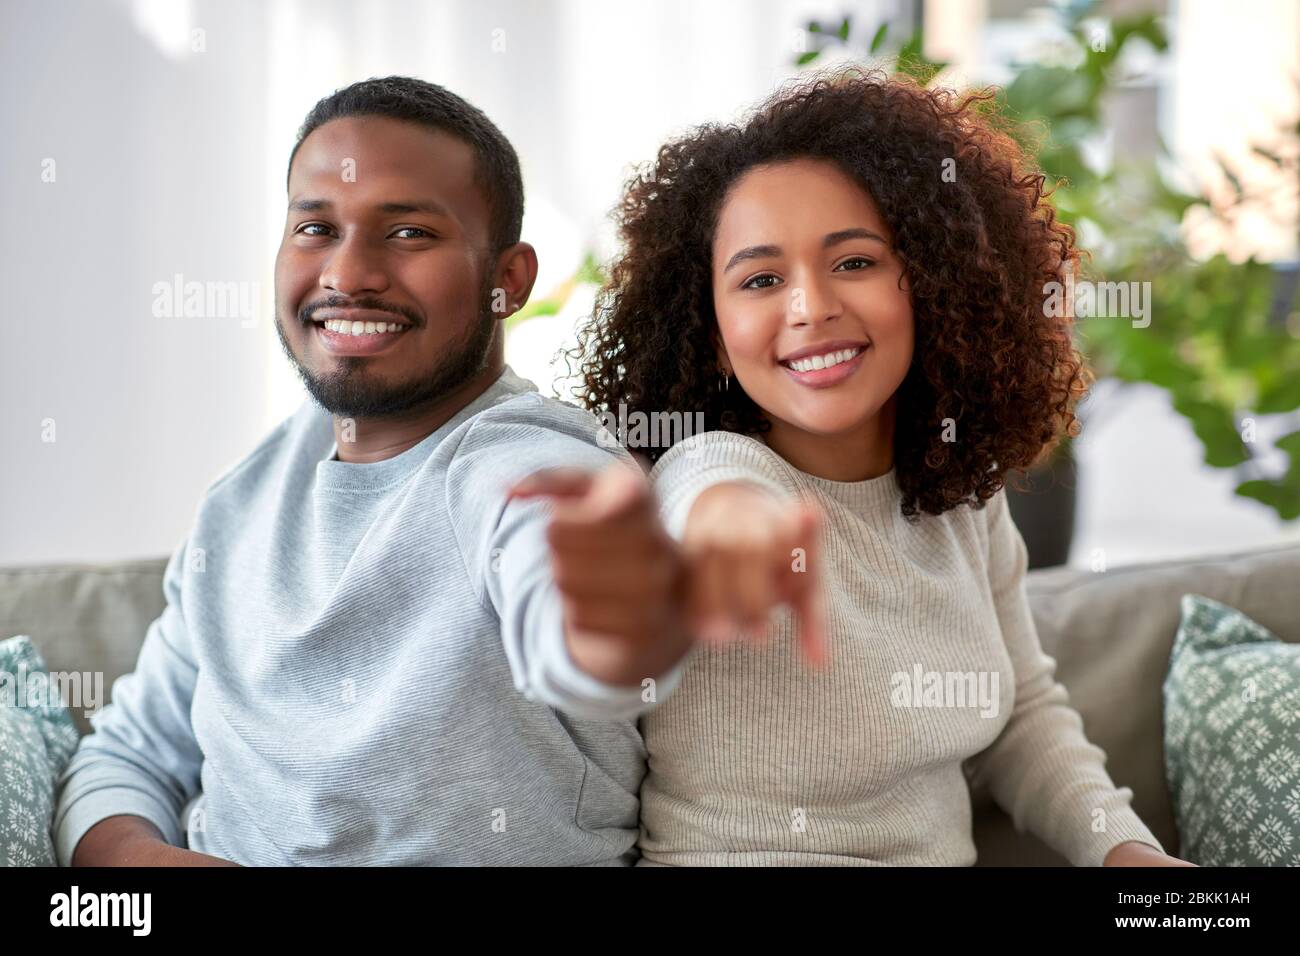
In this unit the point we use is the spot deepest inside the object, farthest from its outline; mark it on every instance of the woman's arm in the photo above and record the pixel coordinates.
(1042, 770)
(749, 541)
(746, 552)
(1134, 853)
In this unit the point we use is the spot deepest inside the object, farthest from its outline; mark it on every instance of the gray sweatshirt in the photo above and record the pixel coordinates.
(364, 664)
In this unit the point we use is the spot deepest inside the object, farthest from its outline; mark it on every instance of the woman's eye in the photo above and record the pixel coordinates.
(761, 282)
(855, 264)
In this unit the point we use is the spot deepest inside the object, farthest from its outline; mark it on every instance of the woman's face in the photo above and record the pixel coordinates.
(812, 307)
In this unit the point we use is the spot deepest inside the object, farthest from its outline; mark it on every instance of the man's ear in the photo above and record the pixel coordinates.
(513, 278)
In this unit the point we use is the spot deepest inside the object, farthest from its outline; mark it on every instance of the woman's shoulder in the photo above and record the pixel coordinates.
(713, 450)
(709, 458)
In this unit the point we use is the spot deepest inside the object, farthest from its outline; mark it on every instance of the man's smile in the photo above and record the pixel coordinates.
(357, 331)
(348, 337)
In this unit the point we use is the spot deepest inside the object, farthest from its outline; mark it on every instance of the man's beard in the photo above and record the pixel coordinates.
(352, 391)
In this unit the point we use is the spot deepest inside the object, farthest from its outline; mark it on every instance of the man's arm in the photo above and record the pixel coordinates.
(134, 841)
(120, 798)
(507, 556)
(621, 578)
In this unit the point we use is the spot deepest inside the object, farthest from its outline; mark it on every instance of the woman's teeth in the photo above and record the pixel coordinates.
(823, 361)
(344, 327)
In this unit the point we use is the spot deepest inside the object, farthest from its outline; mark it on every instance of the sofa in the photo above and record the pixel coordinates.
(1110, 633)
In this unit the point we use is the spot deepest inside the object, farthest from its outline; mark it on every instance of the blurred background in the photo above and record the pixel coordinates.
(145, 146)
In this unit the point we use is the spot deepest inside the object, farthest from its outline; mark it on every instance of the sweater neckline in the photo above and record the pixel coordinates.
(333, 474)
(859, 495)
(862, 495)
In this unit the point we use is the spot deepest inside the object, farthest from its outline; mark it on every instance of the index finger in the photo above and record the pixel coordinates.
(809, 602)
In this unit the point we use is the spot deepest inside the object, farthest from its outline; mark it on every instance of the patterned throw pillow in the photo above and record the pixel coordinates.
(1232, 739)
(37, 739)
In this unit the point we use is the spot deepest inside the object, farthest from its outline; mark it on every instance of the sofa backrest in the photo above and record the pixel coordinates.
(85, 618)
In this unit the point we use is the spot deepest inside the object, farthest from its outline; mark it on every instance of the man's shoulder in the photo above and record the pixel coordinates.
(532, 409)
(526, 419)
(309, 422)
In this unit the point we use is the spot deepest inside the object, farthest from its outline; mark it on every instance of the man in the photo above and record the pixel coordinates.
(364, 658)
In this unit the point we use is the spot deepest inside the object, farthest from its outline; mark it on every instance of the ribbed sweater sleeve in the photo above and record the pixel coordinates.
(709, 459)
(1042, 770)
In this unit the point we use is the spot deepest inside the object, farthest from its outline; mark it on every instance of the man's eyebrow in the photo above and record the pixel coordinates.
(429, 206)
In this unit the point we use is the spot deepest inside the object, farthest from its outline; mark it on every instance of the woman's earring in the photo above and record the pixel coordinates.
(726, 382)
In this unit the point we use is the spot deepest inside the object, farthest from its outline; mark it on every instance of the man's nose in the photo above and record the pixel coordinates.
(353, 268)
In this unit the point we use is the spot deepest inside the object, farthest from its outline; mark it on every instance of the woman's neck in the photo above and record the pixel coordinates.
(860, 454)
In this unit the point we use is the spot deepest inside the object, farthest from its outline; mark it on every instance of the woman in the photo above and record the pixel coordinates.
(851, 287)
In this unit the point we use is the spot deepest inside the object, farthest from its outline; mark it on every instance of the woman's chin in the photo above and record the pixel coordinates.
(837, 423)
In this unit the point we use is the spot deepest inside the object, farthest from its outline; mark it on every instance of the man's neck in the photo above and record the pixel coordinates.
(368, 440)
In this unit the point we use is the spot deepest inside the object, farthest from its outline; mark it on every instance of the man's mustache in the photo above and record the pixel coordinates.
(339, 302)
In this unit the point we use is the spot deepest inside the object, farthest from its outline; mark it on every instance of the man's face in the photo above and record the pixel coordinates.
(385, 225)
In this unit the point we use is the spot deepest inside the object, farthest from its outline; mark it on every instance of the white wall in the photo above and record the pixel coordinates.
(155, 159)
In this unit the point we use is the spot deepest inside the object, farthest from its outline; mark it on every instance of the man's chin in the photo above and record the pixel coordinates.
(350, 403)
(351, 396)
(349, 388)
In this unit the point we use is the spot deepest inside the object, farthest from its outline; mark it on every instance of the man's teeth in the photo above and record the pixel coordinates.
(344, 327)
(823, 361)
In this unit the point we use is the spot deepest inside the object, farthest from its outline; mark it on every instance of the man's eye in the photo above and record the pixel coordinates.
(765, 281)
(311, 225)
(423, 234)
(855, 264)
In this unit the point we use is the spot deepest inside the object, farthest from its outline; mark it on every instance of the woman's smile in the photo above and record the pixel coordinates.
(824, 369)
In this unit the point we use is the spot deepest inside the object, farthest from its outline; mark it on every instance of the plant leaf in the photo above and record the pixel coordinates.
(879, 38)
(1215, 427)
(1281, 496)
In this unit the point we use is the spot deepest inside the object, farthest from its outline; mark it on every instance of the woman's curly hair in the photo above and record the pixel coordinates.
(978, 248)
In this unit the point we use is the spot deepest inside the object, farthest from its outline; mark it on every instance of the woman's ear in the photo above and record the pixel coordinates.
(720, 349)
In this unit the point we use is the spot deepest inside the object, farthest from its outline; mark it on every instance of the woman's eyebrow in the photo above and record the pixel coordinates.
(752, 252)
(762, 252)
(845, 234)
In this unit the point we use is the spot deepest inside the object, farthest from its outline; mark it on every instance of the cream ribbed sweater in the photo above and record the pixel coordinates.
(936, 681)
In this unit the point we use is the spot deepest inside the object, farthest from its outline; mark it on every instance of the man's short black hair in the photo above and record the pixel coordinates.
(417, 101)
